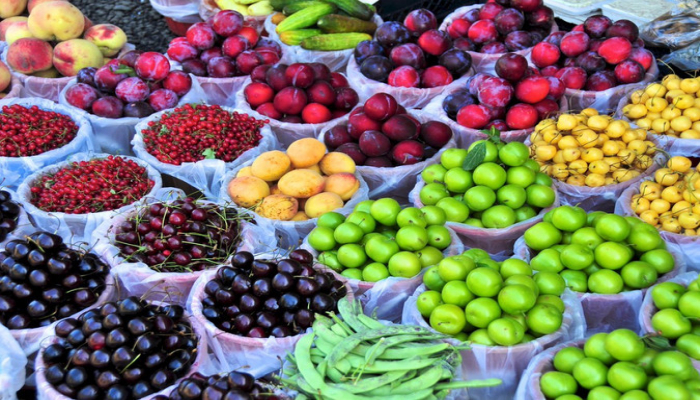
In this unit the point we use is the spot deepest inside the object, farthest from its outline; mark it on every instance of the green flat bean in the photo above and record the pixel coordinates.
(365, 385)
(348, 310)
(323, 346)
(370, 322)
(426, 379)
(469, 384)
(328, 335)
(338, 330)
(335, 375)
(385, 366)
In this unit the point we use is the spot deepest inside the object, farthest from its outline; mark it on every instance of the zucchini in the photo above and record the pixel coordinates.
(334, 41)
(354, 8)
(290, 9)
(294, 38)
(334, 23)
(278, 5)
(305, 18)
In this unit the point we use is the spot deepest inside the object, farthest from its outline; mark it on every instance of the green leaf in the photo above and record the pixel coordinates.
(209, 154)
(493, 134)
(123, 70)
(112, 191)
(659, 343)
(475, 157)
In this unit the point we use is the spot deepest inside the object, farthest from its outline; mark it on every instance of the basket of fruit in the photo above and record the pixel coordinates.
(668, 202)
(158, 250)
(390, 146)
(391, 62)
(255, 310)
(228, 385)
(222, 71)
(74, 197)
(96, 354)
(14, 362)
(593, 158)
(254, 12)
(118, 95)
(670, 110)
(606, 366)
(489, 206)
(198, 143)
(289, 191)
(488, 30)
(608, 260)
(68, 132)
(300, 100)
(513, 102)
(46, 280)
(382, 249)
(601, 60)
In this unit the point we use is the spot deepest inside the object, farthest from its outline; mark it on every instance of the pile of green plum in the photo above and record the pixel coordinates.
(678, 315)
(474, 298)
(620, 365)
(598, 252)
(487, 186)
(379, 239)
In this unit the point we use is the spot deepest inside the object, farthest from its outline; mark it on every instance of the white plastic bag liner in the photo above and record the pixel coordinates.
(46, 391)
(335, 60)
(79, 227)
(607, 312)
(114, 135)
(484, 62)
(256, 356)
(386, 298)
(506, 363)
(289, 233)
(24, 225)
(397, 181)
(138, 279)
(205, 175)
(208, 8)
(287, 132)
(179, 10)
(689, 246)
(15, 88)
(648, 307)
(12, 364)
(13, 170)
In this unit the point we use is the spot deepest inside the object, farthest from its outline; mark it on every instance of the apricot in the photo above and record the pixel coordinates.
(335, 163)
(12, 8)
(71, 56)
(279, 207)
(271, 165)
(343, 184)
(316, 168)
(56, 20)
(30, 55)
(301, 183)
(245, 171)
(322, 203)
(107, 37)
(300, 216)
(306, 152)
(6, 23)
(248, 191)
(16, 31)
(274, 189)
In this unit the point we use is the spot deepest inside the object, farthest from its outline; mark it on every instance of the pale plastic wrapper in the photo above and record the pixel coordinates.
(15, 88)
(286, 132)
(114, 135)
(179, 10)
(76, 226)
(607, 312)
(498, 242)
(398, 181)
(689, 246)
(484, 62)
(24, 225)
(335, 60)
(407, 97)
(678, 30)
(649, 309)
(208, 8)
(205, 175)
(386, 298)
(289, 233)
(256, 356)
(138, 279)
(46, 391)
(13, 170)
(12, 365)
(505, 363)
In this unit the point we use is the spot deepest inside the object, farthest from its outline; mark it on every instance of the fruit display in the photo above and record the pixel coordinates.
(300, 93)
(126, 349)
(276, 298)
(590, 149)
(10, 211)
(360, 356)
(231, 385)
(490, 303)
(30, 131)
(615, 365)
(43, 280)
(303, 183)
(500, 27)
(490, 185)
(598, 55)
(381, 134)
(671, 107)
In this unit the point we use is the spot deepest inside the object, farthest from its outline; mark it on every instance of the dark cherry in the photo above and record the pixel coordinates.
(174, 311)
(243, 323)
(133, 375)
(76, 377)
(266, 320)
(163, 324)
(213, 393)
(249, 303)
(225, 297)
(262, 269)
(117, 392)
(76, 337)
(54, 374)
(212, 314)
(154, 360)
(173, 342)
(100, 359)
(242, 260)
(241, 381)
(226, 275)
(282, 281)
(232, 311)
(122, 357)
(89, 392)
(36, 258)
(91, 325)
(262, 287)
(291, 301)
(147, 343)
(54, 353)
(66, 390)
(212, 287)
(307, 286)
(241, 284)
(117, 337)
(112, 321)
(322, 303)
(139, 326)
(57, 266)
(289, 266)
(271, 304)
(64, 327)
(280, 331)
(288, 318)
(162, 379)
(81, 357)
(130, 306)
(302, 256)
(107, 378)
(96, 340)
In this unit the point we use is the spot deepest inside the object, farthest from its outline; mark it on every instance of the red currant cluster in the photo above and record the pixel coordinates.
(194, 132)
(26, 132)
(92, 186)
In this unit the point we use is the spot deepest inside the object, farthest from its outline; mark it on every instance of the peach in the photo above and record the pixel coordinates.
(300, 216)
(248, 191)
(71, 56)
(12, 8)
(16, 31)
(322, 203)
(30, 55)
(107, 37)
(306, 152)
(49, 73)
(301, 183)
(33, 3)
(5, 77)
(279, 207)
(56, 20)
(6, 23)
(245, 171)
(343, 184)
(335, 163)
(271, 165)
